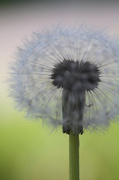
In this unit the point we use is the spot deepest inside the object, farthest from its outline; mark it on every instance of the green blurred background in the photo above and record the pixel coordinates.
(29, 150)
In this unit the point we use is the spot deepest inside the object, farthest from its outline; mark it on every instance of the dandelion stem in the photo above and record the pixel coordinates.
(73, 157)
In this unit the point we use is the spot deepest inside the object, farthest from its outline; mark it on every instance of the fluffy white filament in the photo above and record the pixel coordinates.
(31, 83)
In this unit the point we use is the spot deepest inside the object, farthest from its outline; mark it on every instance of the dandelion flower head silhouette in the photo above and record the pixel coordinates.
(68, 77)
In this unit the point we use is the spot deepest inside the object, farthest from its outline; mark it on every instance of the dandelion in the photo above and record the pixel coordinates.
(69, 78)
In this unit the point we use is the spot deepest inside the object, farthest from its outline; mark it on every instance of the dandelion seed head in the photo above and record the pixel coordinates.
(68, 77)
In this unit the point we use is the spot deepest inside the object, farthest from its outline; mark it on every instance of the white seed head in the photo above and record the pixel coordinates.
(68, 77)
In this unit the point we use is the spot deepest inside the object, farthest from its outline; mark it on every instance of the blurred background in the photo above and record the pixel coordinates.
(29, 150)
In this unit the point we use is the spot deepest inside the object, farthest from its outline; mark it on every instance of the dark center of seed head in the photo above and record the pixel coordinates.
(75, 76)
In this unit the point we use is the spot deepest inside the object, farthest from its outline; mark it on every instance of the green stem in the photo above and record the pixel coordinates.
(73, 157)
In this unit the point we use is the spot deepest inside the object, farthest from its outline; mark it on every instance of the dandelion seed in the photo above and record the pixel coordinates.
(69, 78)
